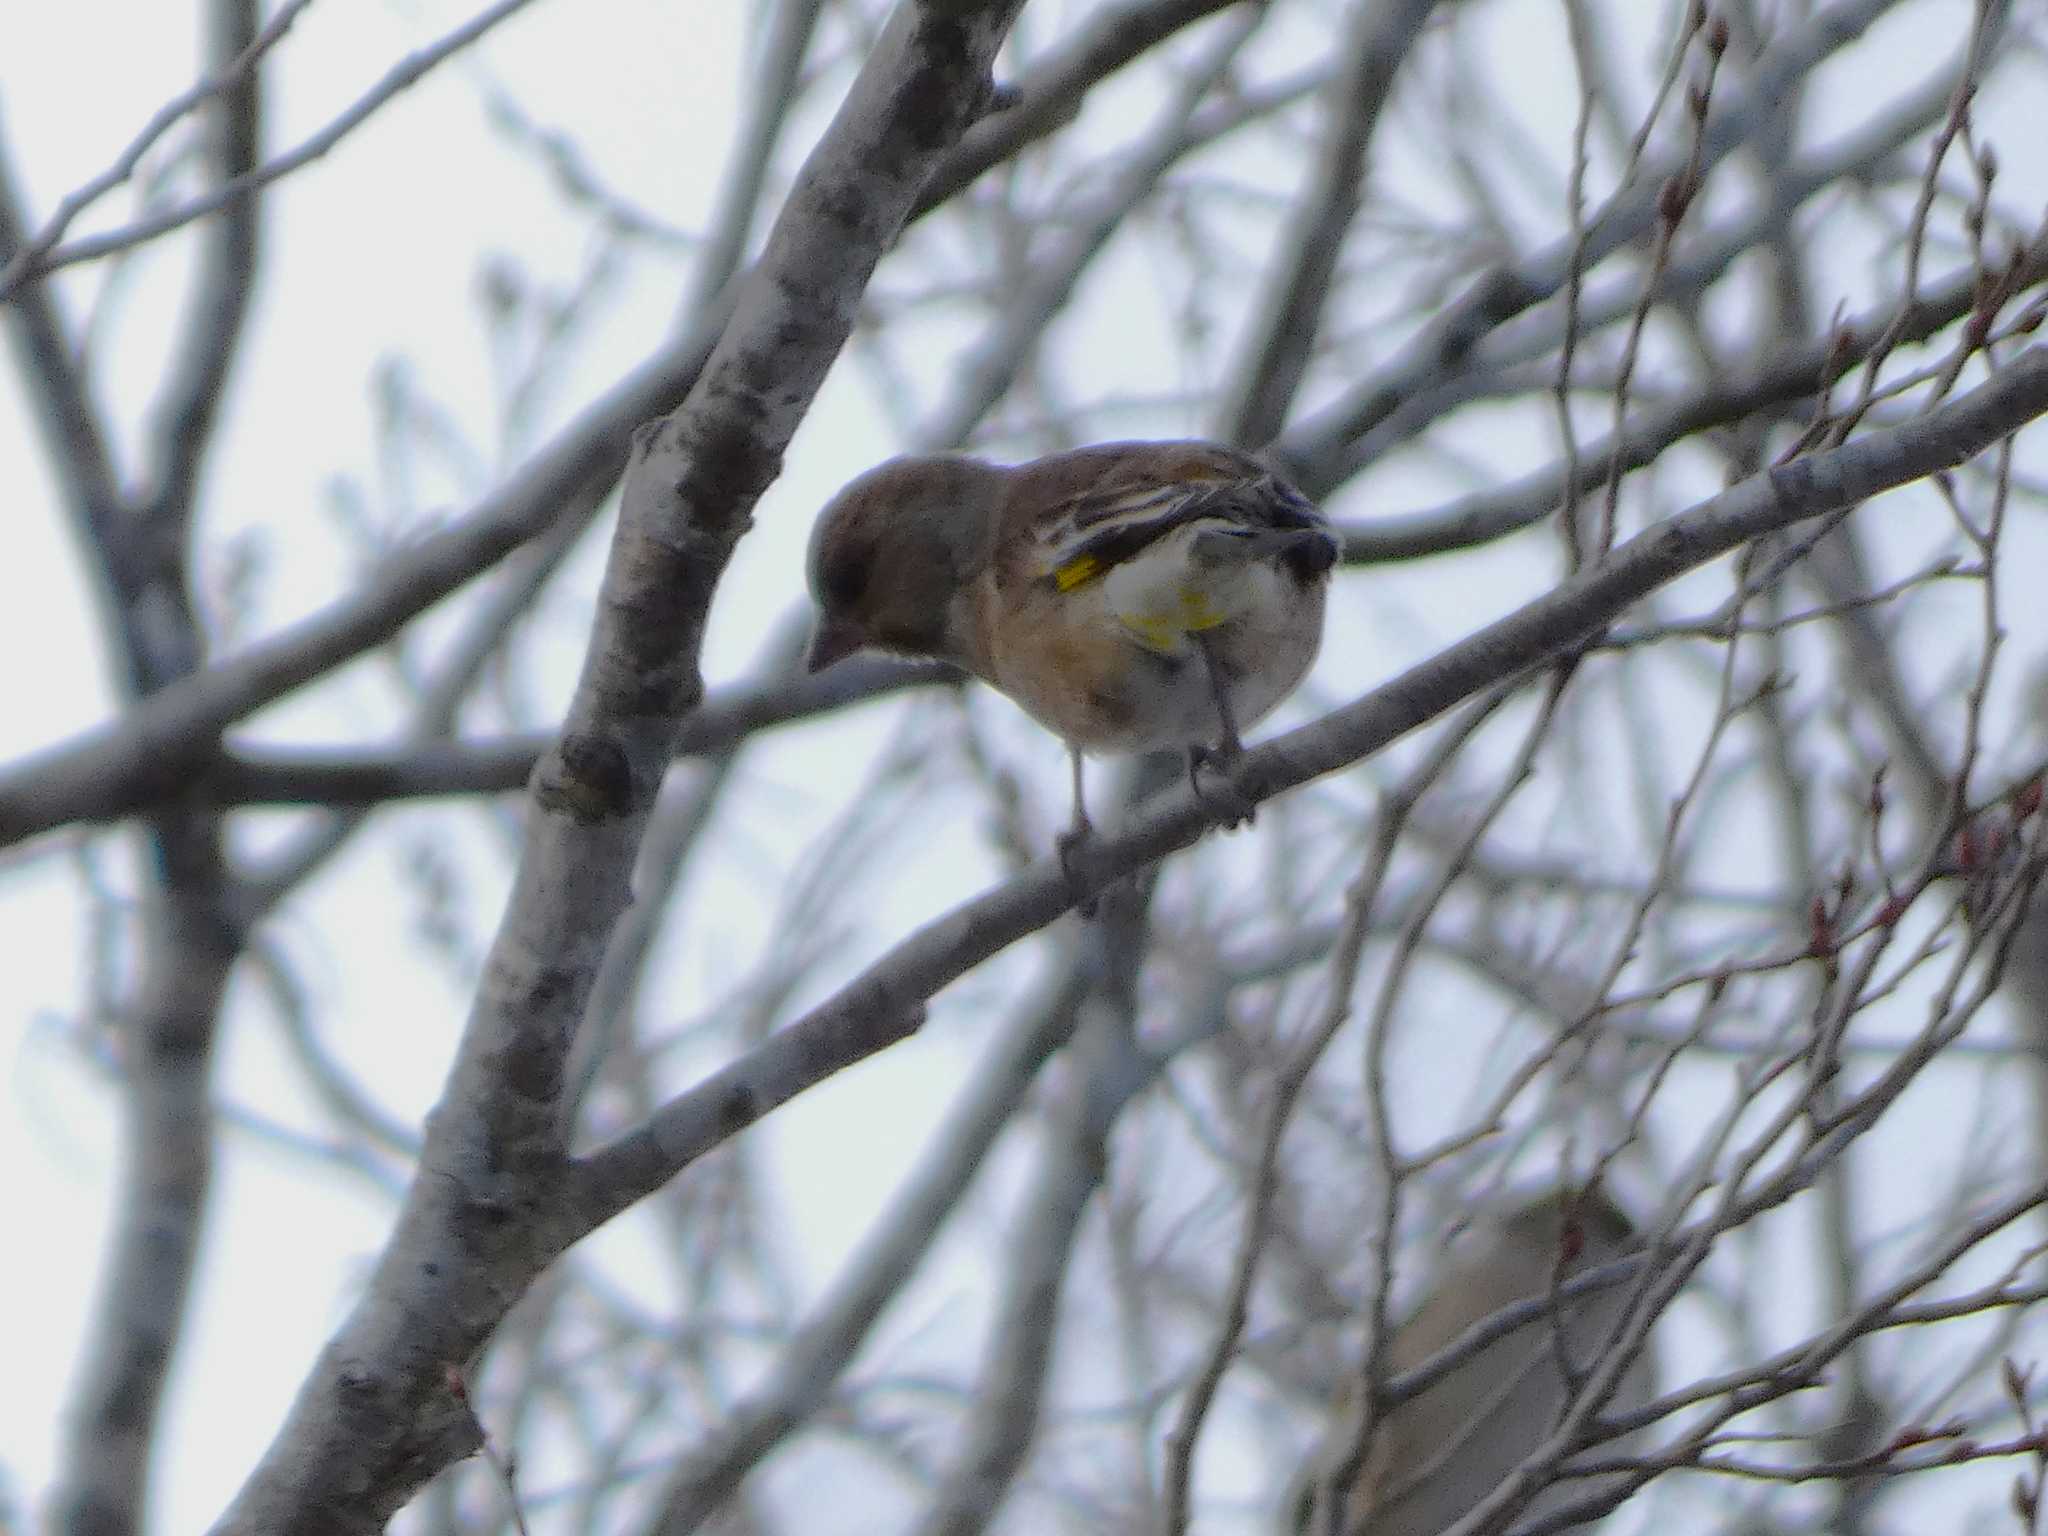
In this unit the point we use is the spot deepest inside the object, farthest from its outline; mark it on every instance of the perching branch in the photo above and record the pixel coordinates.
(869, 1013)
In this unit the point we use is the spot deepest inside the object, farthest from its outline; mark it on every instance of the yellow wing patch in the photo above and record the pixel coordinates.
(1077, 573)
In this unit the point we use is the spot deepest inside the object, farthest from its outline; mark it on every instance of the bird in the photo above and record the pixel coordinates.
(1436, 1456)
(1129, 596)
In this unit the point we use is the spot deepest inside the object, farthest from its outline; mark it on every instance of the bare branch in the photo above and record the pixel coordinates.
(362, 776)
(38, 261)
(142, 558)
(873, 1011)
(1285, 322)
(1786, 379)
(153, 749)
(1318, 450)
(21, 260)
(377, 1415)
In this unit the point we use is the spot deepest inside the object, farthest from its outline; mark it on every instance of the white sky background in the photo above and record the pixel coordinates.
(373, 254)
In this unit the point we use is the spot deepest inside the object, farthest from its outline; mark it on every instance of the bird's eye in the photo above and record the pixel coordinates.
(844, 579)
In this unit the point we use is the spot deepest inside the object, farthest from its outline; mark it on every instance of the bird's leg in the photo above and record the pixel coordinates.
(1230, 806)
(1069, 842)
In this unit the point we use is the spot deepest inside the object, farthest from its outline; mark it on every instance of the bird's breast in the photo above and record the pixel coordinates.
(1112, 665)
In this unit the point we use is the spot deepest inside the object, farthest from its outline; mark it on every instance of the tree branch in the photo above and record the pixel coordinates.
(191, 942)
(1786, 379)
(1289, 315)
(156, 747)
(1317, 451)
(383, 1408)
(45, 256)
(875, 1009)
(364, 776)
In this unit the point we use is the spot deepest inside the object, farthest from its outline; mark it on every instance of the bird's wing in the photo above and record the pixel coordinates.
(1077, 536)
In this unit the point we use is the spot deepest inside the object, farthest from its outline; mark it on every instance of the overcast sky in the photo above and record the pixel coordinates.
(373, 256)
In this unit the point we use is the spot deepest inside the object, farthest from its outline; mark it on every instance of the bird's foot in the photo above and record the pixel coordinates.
(1220, 797)
(1070, 845)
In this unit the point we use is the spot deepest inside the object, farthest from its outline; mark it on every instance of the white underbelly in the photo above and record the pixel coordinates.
(1164, 593)
(1127, 673)
(1258, 622)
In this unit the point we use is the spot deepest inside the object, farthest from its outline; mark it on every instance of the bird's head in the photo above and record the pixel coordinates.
(891, 554)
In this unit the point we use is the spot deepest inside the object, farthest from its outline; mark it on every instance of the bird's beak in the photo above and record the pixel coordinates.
(832, 639)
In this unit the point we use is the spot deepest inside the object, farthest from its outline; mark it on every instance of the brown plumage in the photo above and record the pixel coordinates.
(1438, 1455)
(1129, 596)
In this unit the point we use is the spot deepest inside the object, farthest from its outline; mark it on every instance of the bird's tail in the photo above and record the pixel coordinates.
(1308, 552)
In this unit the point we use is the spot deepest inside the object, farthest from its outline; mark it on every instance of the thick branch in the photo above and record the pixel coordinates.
(155, 748)
(382, 1410)
(361, 776)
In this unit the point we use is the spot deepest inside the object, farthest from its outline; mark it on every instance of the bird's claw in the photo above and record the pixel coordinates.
(1228, 805)
(1069, 845)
